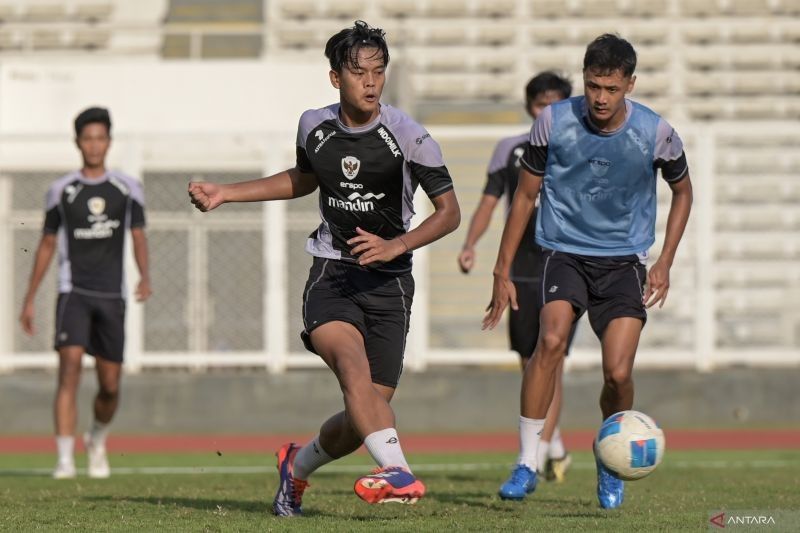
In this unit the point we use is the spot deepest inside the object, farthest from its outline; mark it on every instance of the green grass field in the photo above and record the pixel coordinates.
(233, 492)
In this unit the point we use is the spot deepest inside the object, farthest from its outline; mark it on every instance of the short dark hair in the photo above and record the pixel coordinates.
(91, 115)
(547, 81)
(608, 53)
(342, 49)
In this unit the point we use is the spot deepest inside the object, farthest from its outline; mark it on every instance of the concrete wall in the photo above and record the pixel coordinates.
(452, 399)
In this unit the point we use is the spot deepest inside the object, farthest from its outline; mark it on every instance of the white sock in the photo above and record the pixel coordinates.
(309, 458)
(530, 431)
(541, 453)
(557, 450)
(384, 447)
(65, 444)
(98, 433)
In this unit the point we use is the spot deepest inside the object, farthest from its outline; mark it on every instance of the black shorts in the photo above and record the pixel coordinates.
(523, 324)
(608, 287)
(97, 324)
(377, 304)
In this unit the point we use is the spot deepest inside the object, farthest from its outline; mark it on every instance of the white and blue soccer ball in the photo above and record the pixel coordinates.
(630, 444)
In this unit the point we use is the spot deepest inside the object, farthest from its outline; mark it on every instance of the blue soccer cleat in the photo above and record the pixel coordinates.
(610, 489)
(521, 483)
(290, 490)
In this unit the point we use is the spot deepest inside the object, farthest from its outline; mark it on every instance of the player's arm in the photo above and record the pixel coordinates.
(445, 219)
(140, 254)
(44, 254)
(285, 185)
(477, 227)
(670, 158)
(658, 277)
(521, 209)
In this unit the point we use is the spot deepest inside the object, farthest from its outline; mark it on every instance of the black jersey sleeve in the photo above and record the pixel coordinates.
(52, 220)
(52, 212)
(669, 155)
(495, 181)
(434, 180)
(303, 162)
(427, 165)
(137, 215)
(534, 159)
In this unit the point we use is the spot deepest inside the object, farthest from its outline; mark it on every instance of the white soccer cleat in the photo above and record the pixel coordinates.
(97, 466)
(64, 470)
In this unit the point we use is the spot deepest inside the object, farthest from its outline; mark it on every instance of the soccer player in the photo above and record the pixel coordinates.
(367, 159)
(595, 160)
(88, 215)
(523, 323)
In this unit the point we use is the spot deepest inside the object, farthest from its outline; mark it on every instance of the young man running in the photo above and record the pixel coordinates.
(595, 158)
(523, 323)
(88, 215)
(367, 160)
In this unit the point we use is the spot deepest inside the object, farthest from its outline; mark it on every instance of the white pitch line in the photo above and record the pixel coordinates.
(428, 467)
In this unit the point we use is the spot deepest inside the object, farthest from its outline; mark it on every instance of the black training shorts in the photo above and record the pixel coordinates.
(608, 287)
(523, 324)
(96, 323)
(376, 303)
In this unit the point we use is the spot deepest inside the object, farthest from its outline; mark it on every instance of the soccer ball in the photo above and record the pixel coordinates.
(630, 444)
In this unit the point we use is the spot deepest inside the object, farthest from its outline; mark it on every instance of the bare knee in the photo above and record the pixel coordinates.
(108, 392)
(618, 377)
(553, 346)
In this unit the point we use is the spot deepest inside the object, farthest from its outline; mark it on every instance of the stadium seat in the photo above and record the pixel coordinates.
(648, 34)
(497, 88)
(91, 39)
(497, 63)
(443, 35)
(8, 12)
(54, 12)
(755, 58)
(401, 8)
(749, 8)
(651, 85)
(700, 8)
(549, 9)
(648, 8)
(701, 34)
(94, 12)
(346, 9)
(558, 59)
(444, 61)
(602, 9)
(707, 109)
(299, 9)
(496, 35)
(752, 32)
(448, 8)
(46, 39)
(297, 37)
(552, 35)
(442, 87)
(496, 9)
(652, 59)
(8, 40)
(704, 58)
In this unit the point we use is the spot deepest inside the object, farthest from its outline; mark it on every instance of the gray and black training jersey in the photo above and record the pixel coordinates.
(91, 218)
(501, 180)
(367, 177)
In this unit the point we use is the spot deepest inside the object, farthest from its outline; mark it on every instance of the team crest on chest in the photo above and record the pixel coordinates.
(350, 166)
(599, 166)
(96, 205)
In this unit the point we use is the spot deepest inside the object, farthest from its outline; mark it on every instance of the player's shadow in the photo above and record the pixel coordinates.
(201, 504)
